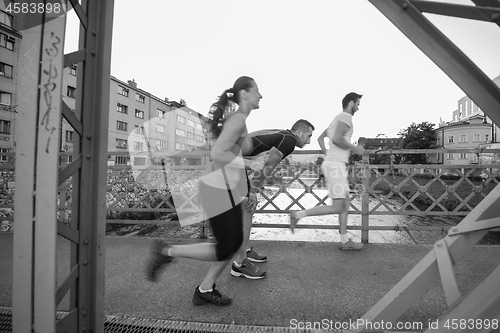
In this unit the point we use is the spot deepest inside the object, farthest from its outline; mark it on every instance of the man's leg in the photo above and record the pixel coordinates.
(345, 242)
(331, 172)
(247, 225)
(336, 207)
(241, 265)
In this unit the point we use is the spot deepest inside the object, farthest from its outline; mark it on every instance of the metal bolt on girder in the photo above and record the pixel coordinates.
(404, 6)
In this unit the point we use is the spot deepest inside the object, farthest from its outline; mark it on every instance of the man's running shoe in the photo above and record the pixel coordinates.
(248, 270)
(293, 221)
(157, 260)
(350, 245)
(214, 297)
(254, 256)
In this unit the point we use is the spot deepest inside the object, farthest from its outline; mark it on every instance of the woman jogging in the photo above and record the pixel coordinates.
(223, 191)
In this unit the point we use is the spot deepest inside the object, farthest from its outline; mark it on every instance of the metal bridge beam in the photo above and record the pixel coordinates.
(483, 301)
(36, 228)
(406, 16)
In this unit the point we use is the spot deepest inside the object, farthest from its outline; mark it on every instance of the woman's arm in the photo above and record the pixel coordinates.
(225, 148)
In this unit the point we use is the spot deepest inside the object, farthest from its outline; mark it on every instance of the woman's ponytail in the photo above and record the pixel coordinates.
(219, 111)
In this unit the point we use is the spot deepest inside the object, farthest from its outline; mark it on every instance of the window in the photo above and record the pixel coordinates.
(198, 126)
(160, 144)
(190, 135)
(460, 107)
(190, 147)
(180, 146)
(472, 106)
(138, 145)
(450, 139)
(160, 113)
(123, 91)
(181, 119)
(474, 157)
(5, 98)
(121, 108)
(6, 19)
(139, 98)
(463, 156)
(190, 123)
(180, 132)
(120, 125)
(199, 138)
(160, 128)
(450, 156)
(139, 161)
(7, 42)
(121, 160)
(72, 70)
(69, 136)
(139, 129)
(120, 143)
(5, 70)
(4, 158)
(477, 137)
(467, 108)
(139, 114)
(463, 138)
(71, 92)
(4, 126)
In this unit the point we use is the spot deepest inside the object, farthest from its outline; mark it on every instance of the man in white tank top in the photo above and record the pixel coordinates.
(334, 168)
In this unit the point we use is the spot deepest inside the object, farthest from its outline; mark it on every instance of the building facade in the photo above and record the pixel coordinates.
(143, 127)
(10, 40)
(166, 128)
(469, 128)
(471, 133)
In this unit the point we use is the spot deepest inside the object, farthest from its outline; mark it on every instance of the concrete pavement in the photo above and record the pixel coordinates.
(306, 282)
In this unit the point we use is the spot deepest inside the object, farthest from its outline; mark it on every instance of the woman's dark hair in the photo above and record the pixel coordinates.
(225, 104)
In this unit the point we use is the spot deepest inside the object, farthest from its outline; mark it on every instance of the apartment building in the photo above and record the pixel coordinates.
(9, 45)
(469, 128)
(144, 127)
(68, 135)
(139, 122)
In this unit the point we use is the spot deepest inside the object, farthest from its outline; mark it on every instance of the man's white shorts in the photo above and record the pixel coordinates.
(336, 178)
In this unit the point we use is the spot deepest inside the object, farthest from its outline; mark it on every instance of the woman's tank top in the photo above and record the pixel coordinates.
(230, 175)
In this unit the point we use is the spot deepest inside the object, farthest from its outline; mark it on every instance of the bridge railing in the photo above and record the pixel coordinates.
(157, 191)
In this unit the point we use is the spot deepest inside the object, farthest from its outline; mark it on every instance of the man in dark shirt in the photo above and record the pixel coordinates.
(277, 144)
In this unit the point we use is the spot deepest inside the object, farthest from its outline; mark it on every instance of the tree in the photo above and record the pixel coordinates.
(418, 136)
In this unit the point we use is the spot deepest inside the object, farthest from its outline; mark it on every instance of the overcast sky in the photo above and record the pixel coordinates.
(304, 55)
